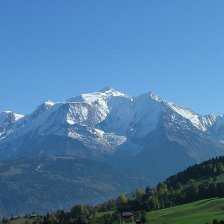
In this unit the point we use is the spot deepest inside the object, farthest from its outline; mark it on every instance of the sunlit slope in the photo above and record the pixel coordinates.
(199, 212)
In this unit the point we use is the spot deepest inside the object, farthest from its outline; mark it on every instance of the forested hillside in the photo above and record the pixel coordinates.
(201, 181)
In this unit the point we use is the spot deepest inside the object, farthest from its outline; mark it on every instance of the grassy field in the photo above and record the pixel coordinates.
(200, 212)
(22, 221)
(99, 214)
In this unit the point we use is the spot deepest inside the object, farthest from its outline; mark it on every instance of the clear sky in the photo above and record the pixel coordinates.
(53, 49)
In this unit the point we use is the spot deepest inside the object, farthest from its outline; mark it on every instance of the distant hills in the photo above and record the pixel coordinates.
(40, 185)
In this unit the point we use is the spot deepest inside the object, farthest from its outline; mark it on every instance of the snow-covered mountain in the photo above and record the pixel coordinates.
(106, 123)
(125, 141)
(7, 119)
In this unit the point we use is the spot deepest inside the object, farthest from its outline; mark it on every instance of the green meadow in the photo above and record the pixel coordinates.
(199, 212)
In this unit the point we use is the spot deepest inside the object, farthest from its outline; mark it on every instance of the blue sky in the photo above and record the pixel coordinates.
(55, 49)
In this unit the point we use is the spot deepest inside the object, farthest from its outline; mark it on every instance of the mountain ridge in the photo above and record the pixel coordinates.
(106, 120)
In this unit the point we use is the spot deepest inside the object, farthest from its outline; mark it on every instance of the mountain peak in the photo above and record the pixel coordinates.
(150, 96)
(90, 97)
(43, 107)
(7, 112)
(154, 96)
(108, 89)
(49, 103)
(9, 115)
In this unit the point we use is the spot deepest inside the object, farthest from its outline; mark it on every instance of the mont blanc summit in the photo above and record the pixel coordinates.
(105, 123)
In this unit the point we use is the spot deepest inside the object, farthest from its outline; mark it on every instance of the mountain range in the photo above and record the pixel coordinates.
(146, 137)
